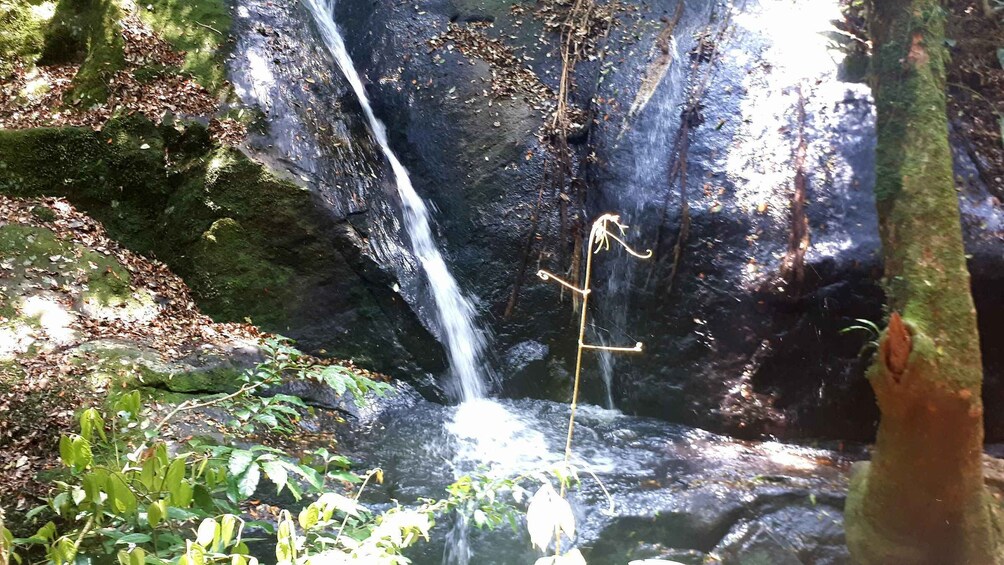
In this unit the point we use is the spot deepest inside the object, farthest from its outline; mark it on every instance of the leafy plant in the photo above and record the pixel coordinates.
(870, 328)
(126, 497)
(279, 412)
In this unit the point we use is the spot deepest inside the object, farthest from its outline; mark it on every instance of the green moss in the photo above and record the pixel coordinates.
(125, 365)
(107, 281)
(21, 35)
(241, 237)
(149, 73)
(197, 27)
(88, 32)
(228, 261)
(43, 214)
(30, 246)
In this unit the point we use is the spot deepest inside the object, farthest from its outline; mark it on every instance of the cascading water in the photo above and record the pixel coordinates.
(465, 344)
(483, 428)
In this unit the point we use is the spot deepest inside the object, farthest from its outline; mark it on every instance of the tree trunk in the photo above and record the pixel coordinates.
(921, 500)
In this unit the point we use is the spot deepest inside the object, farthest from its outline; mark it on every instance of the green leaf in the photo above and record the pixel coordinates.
(129, 403)
(249, 481)
(196, 555)
(284, 552)
(148, 473)
(183, 497)
(203, 499)
(309, 517)
(267, 419)
(94, 483)
(62, 551)
(290, 399)
(46, 532)
(155, 512)
(82, 454)
(78, 495)
(239, 461)
(310, 474)
(120, 495)
(228, 523)
(175, 475)
(91, 421)
(66, 452)
(60, 502)
(276, 472)
(134, 538)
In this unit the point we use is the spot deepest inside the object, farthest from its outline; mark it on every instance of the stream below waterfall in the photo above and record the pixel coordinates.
(674, 492)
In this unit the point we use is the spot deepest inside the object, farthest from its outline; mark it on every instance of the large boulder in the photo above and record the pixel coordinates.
(744, 331)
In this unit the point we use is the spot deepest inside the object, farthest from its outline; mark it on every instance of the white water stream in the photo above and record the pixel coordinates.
(465, 344)
(487, 432)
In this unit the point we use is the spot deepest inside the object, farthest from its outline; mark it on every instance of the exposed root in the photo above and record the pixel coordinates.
(793, 265)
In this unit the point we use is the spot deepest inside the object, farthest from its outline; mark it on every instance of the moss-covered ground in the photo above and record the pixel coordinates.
(197, 27)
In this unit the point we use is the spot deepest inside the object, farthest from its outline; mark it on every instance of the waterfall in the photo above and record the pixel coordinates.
(465, 344)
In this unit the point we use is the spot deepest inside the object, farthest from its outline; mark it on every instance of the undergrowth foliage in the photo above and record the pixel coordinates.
(126, 495)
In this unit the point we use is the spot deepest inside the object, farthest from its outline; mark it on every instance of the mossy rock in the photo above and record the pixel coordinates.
(32, 316)
(229, 263)
(128, 365)
(250, 245)
(214, 216)
(105, 280)
(21, 34)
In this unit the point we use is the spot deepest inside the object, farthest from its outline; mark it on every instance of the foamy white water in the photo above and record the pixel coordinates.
(464, 343)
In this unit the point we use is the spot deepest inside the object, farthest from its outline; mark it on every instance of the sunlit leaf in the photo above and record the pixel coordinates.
(547, 516)
(207, 532)
(248, 482)
(239, 461)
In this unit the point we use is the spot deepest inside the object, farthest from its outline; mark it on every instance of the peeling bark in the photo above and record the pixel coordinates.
(921, 500)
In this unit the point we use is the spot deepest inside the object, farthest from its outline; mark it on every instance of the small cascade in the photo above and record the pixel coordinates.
(465, 344)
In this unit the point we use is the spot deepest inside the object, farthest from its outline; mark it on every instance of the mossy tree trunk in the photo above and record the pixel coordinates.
(921, 500)
(88, 32)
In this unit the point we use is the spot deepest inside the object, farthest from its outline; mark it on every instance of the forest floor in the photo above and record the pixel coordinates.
(64, 288)
(152, 81)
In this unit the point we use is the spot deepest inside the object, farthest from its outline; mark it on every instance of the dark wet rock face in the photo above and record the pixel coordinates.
(743, 331)
(311, 128)
(742, 320)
